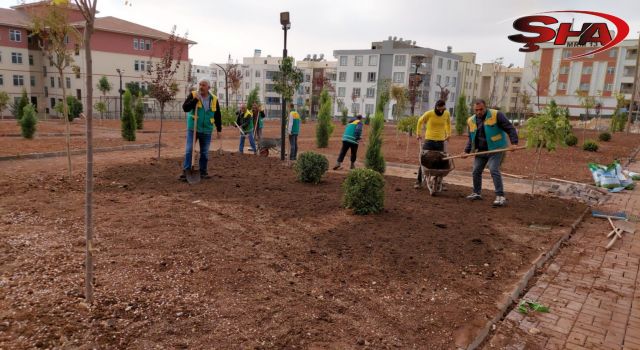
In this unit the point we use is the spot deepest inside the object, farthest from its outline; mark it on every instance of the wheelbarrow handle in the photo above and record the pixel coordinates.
(484, 152)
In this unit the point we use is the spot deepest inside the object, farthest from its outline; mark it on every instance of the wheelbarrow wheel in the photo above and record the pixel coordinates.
(264, 152)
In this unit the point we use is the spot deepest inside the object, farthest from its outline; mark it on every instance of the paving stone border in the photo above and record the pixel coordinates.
(508, 302)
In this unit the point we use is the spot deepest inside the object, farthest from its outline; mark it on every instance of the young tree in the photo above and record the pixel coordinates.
(344, 118)
(128, 119)
(587, 102)
(28, 122)
(325, 126)
(104, 85)
(254, 97)
(234, 77)
(547, 131)
(462, 114)
(136, 89)
(383, 95)
(163, 86)
(288, 80)
(88, 10)
(399, 93)
(4, 103)
(138, 111)
(374, 159)
(52, 31)
(22, 102)
(619, 117)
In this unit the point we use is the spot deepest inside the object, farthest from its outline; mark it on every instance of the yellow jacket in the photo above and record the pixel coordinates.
(438, 128)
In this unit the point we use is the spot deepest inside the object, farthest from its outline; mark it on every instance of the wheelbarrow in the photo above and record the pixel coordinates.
(433, 176)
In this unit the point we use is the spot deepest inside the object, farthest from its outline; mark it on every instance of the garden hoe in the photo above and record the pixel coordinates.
(193, 174)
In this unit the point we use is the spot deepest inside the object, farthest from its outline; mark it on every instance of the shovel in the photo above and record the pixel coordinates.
(193, 174)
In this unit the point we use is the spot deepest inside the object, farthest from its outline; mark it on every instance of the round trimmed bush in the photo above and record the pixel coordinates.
(571, 140)
(363, 191)
(310, 167)
(590, 145)
(604, 137)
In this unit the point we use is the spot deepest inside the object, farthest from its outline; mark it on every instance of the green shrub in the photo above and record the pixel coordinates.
(344, 117)
(408, 124)
(22, 103)
(138, 111)
(325, 126)
(363, 191)
(228, 116)
(74, 105)
(128, 120)
(571, 140)
(28, 121)
(590, 145)
(310, 167)
(374, 158)
(461, 115)
(604, 137)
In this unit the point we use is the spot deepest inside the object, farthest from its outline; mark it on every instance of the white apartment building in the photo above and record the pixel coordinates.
(469, 76)
(360, 74)
(318, 74)
(601, 75)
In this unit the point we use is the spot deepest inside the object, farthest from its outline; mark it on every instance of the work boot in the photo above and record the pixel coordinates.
(183, 176)
(338, 166)
(353, 165)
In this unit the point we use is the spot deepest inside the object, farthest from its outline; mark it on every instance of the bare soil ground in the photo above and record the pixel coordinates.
(253, 258)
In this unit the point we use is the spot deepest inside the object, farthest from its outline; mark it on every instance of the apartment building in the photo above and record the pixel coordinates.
(601, 75)
(318, 74)
(500, 86)
(122, 51)
(469, 76)
(360, 74)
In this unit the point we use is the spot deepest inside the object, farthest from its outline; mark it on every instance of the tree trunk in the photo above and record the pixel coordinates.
(160, 133)
(535, 170)
(406, 150)
(65, 112)
(88, 220)
(584, 128)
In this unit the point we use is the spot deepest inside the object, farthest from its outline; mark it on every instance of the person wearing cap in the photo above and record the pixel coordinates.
(208, 115)
(350, 138)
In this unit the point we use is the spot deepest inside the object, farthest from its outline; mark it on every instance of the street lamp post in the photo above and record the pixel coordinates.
(120, 91)
(286, 24)
(226, 86)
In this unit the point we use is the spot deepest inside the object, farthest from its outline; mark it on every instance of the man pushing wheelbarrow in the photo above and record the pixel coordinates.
(432, 166)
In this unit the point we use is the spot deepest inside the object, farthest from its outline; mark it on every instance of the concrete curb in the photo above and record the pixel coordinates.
(47, 134)
(79, 151)
(505, 305)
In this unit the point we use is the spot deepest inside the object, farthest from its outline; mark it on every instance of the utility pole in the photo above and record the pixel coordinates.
(634, 93)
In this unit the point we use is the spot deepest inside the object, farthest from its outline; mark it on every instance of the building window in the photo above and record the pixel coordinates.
(436, 96)
(343, 60)
(342, 76)
(611, 70)
(1, 79)
(147, 45)
(608, 87)
(33, 80)
(247, 73)
(135, 44)
(371, 92)
(68, 82)
(358, 60)
(15, 35)
(52, 80)
(587, 69)
(398, 77)
(136, 65)
(440, 63)
(66, 39)
(221, 84)
(16, 57)
(613, 53)
(448, 64)
(355, 93)
(46, 91)
(453, 97)
(355, 108)
(373, 60)
(357, 77)
(454, 81)
(455, 66)
(257, 74)
(76, 49)
(368, 109)
(341, 92)
(400, 60)
(566, 53)
(31, 60)
(307, 78)
(371, 77)
(564, 70)
(446, 81)
(246, 86)
(59, 82)
(18, 80)
(584, 87)
(438, 79)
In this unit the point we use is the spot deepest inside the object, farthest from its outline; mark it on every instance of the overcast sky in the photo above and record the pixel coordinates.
(237, 27)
